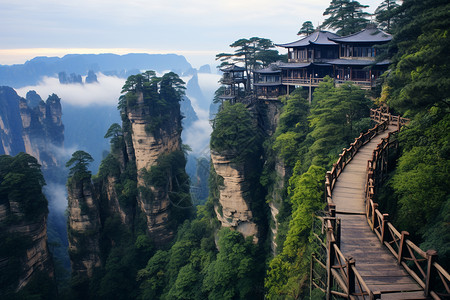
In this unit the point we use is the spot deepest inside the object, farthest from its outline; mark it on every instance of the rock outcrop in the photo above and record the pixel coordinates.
(84, 227)
(11, 141)
(43, 130)
(234, 210)
(31, 125)
(23, 223)
(148, 146)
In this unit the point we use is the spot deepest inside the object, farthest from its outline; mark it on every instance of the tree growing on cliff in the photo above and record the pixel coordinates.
(78, 165)
(234, 132)
(252, 52)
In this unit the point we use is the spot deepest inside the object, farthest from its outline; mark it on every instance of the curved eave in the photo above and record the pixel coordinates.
(294, 65)
(372, 36)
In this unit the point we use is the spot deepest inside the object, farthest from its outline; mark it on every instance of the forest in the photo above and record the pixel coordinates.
(205, 260)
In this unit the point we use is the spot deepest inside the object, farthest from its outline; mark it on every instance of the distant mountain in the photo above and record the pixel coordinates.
(110, 64)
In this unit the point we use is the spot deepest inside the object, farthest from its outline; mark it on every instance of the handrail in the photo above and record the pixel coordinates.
(403, 249)
(419, 264)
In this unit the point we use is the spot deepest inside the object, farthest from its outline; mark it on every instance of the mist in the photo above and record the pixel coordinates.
(104, 93)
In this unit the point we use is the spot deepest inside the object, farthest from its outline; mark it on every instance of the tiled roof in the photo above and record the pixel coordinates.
(368, 35)
(317, 38)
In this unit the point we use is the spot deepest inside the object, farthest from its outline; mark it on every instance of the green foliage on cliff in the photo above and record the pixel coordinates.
(159, 96)
(338, 115)
(169, 176)
(234, 132)
(21, 181)
(418, 87)
(78, 165)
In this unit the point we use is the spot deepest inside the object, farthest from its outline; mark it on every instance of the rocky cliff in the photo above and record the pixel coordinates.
(234, 209)
(43, 130)
(148, 145)
(84, 227)
(23, 230)
(238, 157)
(31, 125)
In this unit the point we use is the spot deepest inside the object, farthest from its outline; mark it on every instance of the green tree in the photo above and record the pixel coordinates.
(338, 115)
(78, 164)
(419, 78)
(234, 274)
(292, 128)
(347, 16)
(234, 132)
(288, 271)
(306, 29)
(386, 14)
(252, 53)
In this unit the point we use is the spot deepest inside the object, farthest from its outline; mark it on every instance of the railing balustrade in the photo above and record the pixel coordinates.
(341, 270)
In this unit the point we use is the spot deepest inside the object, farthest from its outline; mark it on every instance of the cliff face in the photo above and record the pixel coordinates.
(11, 142)
(42, 128)
(84, 227)
(147, 148)
(23, 230)
(235, 209)
(30, 125)
(241, 198)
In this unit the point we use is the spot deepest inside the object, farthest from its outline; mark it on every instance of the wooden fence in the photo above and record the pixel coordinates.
(342, 277)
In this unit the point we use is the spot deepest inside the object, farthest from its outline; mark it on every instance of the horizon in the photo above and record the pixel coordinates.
(198, 30)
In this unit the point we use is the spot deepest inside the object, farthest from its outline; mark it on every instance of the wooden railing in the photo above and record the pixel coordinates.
(341, 270)
(304, 81)
(419, 264)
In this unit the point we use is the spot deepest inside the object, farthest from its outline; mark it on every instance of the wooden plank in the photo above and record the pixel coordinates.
(405, 295)
(374, 262)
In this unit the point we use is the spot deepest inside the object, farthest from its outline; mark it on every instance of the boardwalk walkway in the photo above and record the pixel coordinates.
(374, 262)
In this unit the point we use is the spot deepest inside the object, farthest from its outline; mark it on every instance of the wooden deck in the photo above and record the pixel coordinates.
(374, 262)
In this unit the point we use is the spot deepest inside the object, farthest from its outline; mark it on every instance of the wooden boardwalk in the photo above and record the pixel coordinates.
(375, 263)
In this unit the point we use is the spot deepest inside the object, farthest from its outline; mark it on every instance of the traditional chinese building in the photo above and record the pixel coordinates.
(232, 77)
(357, 54)
(310, 59)
(267, 83)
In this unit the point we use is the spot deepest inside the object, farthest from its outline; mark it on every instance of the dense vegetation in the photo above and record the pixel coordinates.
(308, 140)
(208, 262)
(418, 87)
(21, 183)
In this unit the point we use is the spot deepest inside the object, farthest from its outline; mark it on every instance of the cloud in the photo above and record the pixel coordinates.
(209, 83)
(57, 196)
(198, 135)
(105, 93)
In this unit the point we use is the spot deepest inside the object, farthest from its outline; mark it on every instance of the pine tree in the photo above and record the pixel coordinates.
(307, 28)
(386, 14)
(347, 16)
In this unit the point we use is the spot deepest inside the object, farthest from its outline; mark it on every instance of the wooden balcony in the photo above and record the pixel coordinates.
(314, 82)
(302, 81)
(363, 84)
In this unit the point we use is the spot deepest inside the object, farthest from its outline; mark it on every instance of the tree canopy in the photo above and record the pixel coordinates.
(345, 16)
(78, 164)
(251, 53)
(307, 28)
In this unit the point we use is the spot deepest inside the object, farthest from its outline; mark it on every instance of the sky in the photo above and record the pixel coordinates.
(197, 29)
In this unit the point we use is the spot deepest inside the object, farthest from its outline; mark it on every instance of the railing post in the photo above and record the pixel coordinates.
(402, 246)
(374, 295)
(350, 275)
(431, 257)
(374, 214)
(384, 227)
(332, 210)
(330, 261)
